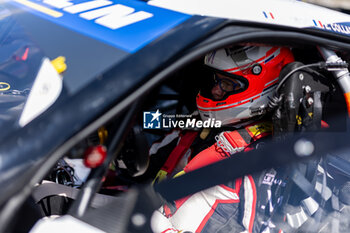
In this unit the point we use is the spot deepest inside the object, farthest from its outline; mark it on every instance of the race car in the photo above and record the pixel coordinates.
(68, 123)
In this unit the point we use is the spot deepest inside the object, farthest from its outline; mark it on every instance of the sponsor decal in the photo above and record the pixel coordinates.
(260, 128)
(338, 27)
(268, 179)
(157, 120)
(125, 24)
(343, 28)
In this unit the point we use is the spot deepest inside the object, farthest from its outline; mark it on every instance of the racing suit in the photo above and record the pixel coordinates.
(225, 207)
(286, 199)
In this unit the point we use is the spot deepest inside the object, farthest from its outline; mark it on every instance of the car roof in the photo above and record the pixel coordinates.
(289, 13)
(129, 25)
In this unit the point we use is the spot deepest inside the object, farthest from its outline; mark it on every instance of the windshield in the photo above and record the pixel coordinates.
(29, 83)
(20, 61)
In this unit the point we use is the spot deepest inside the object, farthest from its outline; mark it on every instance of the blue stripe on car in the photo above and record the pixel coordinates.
(130, 38)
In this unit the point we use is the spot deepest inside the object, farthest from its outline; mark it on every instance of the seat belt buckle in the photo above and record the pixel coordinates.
(223, 141)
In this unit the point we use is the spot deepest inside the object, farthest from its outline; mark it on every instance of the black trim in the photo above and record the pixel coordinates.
(282, 28)
(293, 38)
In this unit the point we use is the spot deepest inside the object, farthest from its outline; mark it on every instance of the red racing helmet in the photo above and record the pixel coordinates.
(248, 75)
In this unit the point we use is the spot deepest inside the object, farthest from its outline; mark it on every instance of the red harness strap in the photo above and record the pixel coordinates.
(179, 151)
(239, 139)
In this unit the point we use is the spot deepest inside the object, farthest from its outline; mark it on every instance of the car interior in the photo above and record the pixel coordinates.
(127, 164)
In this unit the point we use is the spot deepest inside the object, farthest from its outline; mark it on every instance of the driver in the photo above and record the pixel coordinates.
(243, 80)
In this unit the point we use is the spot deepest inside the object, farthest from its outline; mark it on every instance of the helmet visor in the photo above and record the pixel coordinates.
(228, 84)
